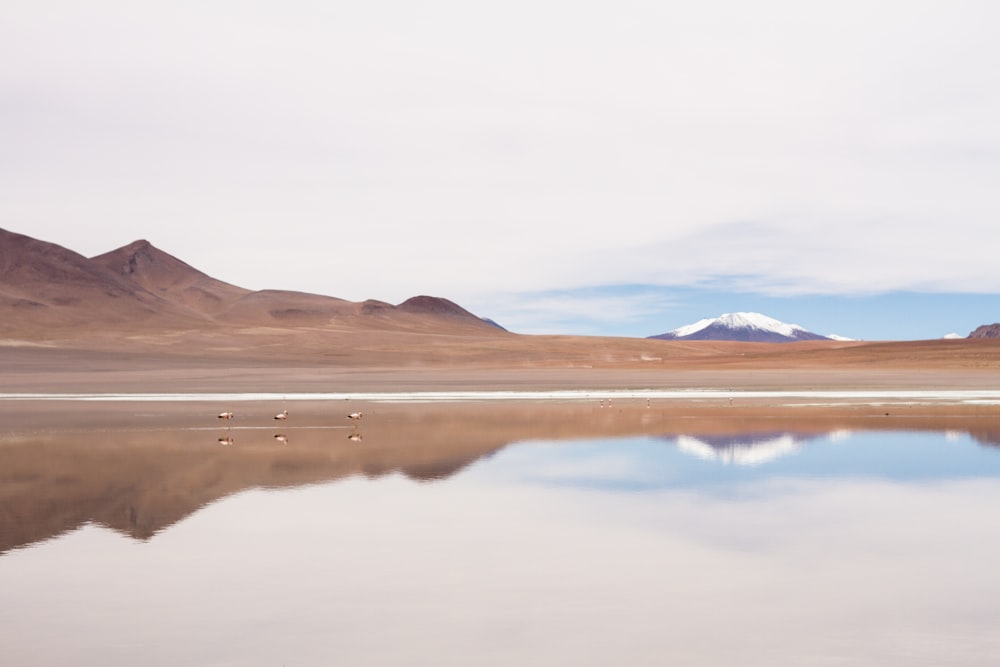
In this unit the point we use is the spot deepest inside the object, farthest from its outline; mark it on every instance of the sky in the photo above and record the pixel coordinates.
(595, 168)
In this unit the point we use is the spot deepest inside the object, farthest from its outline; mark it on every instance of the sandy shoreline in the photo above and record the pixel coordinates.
(94, 378)
(510, 419)
(520, 363)
(922, 376)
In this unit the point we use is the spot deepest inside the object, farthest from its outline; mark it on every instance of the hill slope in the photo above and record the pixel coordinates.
(144, 266)
(986, 331)
(45, 286)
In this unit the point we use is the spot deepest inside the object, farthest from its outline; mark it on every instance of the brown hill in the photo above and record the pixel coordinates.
(283, 308)
(143, 266)
(986, 331)
(45, 287)
(432, 305)
(138, 292)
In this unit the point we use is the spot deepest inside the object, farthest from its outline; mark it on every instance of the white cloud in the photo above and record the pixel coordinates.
(584, 312)
(386, 149)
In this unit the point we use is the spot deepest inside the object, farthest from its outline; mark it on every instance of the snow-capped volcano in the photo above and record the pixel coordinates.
(748, 327)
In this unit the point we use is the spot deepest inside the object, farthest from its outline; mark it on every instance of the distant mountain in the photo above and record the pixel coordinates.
(47, 290)
(745, 327)
(986, 331)
(433, 305)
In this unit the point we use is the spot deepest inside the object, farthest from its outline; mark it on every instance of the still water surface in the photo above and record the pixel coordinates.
(771, 547)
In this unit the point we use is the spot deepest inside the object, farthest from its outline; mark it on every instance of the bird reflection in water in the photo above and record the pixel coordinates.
(227, 417)
(281, 437)
(355, 417)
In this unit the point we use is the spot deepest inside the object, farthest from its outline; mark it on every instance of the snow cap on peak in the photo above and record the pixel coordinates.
(741, 321)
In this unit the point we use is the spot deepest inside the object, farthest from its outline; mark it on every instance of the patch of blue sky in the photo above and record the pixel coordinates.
(636, 310)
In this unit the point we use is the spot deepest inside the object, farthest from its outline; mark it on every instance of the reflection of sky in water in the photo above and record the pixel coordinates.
(872, 549)
(645, 463)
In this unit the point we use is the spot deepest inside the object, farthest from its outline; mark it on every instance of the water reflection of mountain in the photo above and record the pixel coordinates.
(139, 484)
(985, 437)
(743, 449)
(140, 473)
(140, 470)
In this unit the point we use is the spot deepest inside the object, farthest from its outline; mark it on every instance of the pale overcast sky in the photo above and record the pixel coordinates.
(564, 167)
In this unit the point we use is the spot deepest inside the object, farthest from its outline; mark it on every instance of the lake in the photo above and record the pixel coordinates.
(580, 533)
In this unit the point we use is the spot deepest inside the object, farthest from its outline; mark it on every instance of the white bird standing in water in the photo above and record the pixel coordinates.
(227, 416)
(356, 415)
(283, 415)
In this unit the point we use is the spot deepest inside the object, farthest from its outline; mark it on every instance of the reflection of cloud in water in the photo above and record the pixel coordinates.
(622, 464)
(846, 572)
(748, 450)
(606, 468)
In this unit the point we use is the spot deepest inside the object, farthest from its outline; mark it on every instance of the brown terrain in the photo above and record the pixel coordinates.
(986, 331)
(139, 320)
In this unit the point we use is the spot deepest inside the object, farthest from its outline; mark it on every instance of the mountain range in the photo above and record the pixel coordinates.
(140, 296)
(49, 291)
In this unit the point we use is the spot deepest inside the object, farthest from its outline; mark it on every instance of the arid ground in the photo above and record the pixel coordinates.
(299, 361)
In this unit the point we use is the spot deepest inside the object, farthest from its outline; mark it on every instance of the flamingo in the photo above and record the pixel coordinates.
(282, 438)
(355, 415)
(283, 415)
(227, 416)
(226, 441)
(354, 437)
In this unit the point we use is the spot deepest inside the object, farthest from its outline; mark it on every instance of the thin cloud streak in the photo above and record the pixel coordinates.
(610, 311)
